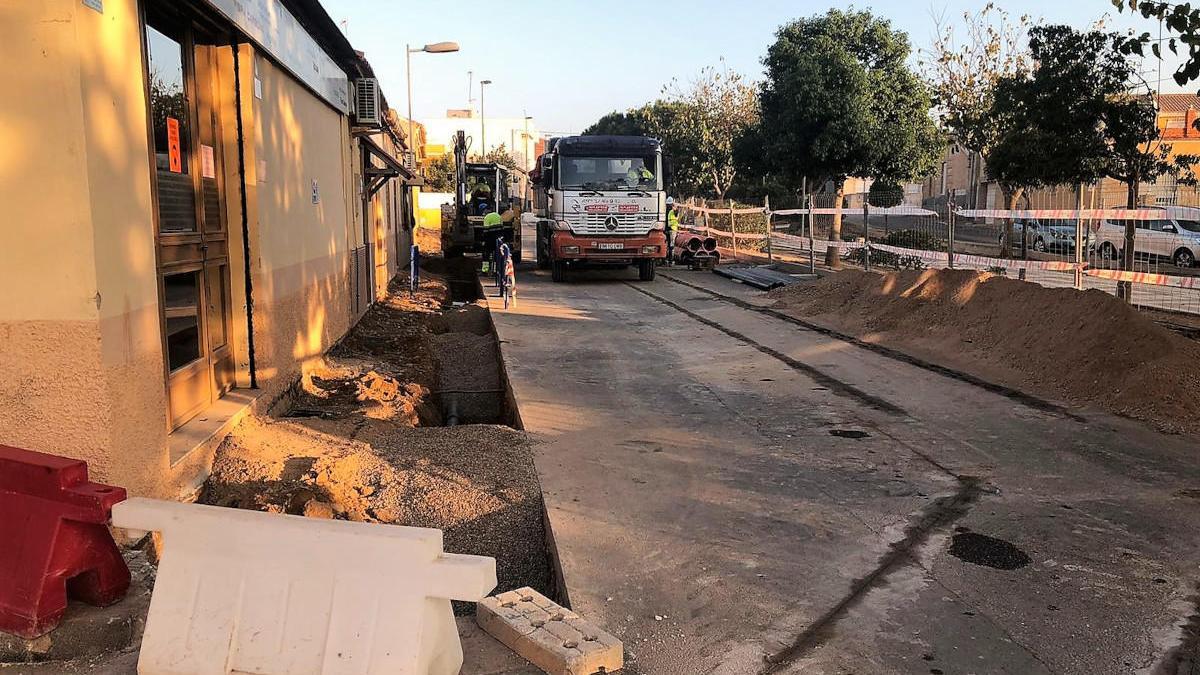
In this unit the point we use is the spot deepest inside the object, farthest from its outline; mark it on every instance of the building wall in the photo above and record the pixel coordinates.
(81, 367)
(81, 362)
(300, 250)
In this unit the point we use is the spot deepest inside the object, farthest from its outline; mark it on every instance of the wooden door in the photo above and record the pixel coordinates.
(193, 242)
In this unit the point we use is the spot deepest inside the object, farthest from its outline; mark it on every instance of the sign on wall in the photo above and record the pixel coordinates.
(278, 33)
(174, 155)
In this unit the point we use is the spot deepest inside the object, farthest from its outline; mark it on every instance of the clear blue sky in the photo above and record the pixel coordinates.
(570, 61)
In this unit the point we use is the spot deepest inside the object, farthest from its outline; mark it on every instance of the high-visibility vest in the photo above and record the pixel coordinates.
(493, 219)
(672, 221)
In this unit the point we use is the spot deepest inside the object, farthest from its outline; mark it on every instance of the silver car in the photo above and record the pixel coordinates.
(1043, 238)
(1166, 239)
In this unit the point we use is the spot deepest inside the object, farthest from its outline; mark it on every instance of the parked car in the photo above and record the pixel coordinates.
(1043, 238)
(1168, 239)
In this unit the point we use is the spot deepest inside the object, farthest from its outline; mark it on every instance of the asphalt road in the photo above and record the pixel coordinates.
(732, 493)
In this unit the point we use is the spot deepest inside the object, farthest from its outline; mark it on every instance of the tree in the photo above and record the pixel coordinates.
(840, 101)
(664, 120)
(717, 108)
(1179, 18)
(1075, 119)
(439, 175)
(615, 123)
(963, 77)
(498, 155)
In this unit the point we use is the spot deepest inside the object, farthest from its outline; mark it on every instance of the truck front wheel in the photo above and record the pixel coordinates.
(646, 269)
(542, 249)
(558, 271)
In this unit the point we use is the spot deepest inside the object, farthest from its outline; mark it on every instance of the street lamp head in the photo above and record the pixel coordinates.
(483, 82)
(440, 47)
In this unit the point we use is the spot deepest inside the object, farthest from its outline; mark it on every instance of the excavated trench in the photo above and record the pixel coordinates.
(408, 420)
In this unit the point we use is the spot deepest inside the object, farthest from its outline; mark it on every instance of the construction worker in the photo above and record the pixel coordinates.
(481, 198)
(672, 229)
(638, 176)
(492, 222)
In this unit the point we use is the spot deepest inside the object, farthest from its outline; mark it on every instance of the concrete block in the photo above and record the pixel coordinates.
(244, 591)
(550, 636)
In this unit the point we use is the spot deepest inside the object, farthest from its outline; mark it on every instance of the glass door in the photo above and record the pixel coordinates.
(193, 257)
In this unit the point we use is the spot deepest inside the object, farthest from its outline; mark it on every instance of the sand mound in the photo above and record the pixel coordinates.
(1083, 347)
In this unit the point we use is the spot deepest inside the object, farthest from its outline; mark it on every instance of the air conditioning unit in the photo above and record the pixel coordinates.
(366, 103)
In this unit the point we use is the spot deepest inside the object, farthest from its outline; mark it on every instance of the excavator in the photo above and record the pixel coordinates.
(480, 187)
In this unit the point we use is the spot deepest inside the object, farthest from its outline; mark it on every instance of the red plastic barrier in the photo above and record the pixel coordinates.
(54, 540)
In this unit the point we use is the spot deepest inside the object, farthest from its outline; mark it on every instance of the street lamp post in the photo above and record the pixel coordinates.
(433, 48)
(525, 142)
(482, 120)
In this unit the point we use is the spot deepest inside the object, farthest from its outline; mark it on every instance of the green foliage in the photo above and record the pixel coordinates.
(499, 155)
(668, 122)
(885, 193)
(699, 125)
(1074, 119)
(1181, 19)
(719, 106)
(921, 239)
(888, 259)
(439, 174)
(619, 124)
(840, 101)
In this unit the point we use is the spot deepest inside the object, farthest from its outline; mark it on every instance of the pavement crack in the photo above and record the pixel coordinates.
(1028, 400)
(937, 515)
(835, 385)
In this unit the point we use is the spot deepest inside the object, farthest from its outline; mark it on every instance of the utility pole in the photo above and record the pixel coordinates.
(482, 120)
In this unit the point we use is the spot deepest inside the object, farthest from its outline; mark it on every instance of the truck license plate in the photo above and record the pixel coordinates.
(611, 246)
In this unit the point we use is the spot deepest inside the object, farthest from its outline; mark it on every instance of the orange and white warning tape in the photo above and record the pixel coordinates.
(1065, 214)
(1145, 278)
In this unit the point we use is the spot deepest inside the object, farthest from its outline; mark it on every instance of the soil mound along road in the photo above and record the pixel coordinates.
(1083, 347)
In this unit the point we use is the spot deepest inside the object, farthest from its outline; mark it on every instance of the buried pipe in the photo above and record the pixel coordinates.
(452, 412)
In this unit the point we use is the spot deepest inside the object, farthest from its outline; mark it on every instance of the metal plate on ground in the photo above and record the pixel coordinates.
(764, 278)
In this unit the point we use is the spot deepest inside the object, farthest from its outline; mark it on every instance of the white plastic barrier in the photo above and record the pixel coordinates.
(250, 592)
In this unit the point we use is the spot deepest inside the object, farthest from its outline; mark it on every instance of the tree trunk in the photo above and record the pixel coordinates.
(833, 254)
(1012, 197)
(1125, 288)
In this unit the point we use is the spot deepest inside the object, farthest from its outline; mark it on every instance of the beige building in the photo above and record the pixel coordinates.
(192, 213)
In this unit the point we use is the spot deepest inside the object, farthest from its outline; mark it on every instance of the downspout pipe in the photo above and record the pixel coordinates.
(248, 279)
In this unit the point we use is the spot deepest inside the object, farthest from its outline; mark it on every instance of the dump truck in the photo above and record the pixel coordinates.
(480, 187)
(600, 201)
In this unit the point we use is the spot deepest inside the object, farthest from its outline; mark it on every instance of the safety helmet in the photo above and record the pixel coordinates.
(670, 201)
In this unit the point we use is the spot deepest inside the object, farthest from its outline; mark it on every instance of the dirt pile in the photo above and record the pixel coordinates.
(1084, 347)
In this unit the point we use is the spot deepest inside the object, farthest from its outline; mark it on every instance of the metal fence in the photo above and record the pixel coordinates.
(1061, 237)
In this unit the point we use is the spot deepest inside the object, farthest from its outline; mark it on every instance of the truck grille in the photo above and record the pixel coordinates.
(599, 223)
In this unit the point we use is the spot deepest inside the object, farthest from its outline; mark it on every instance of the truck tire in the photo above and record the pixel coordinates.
(558, 271)
(646, 269)
(543, 251)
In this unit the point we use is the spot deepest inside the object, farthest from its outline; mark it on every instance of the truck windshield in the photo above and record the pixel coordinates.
(609, 173)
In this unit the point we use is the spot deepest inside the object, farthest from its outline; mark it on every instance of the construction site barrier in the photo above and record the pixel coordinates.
(246, 591)
(54, 529)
